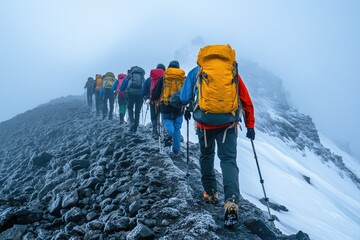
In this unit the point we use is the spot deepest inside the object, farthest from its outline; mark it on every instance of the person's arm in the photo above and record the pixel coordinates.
(113, 88)
(146, 89)
(123, 85)
(246, 104)
(86, 85)
(101, 90)
(186, 92)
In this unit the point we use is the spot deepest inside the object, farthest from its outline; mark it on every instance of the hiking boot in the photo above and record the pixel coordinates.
(167, 141)
(212, 199)
(231, 217)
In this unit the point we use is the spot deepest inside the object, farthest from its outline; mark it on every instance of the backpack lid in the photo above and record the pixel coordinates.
(224, 52)
(155, 74)
(122, 76)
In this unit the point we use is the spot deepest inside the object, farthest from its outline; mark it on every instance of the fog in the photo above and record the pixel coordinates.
(49, 48)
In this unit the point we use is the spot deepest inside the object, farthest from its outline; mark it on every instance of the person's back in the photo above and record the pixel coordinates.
(107, 84)
(120, 96)
(98, 84)
(219, 89)
(90, 90)
(149, 85)
(134, 83)
(171, 84)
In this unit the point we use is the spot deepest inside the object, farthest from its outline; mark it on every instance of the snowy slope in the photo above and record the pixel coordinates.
(325, 209)
(289, 149)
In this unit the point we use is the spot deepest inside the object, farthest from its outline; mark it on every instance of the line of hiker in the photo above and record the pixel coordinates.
(213, 92)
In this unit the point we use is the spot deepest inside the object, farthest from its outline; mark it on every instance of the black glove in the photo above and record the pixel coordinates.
(187, 114)
(250, 133)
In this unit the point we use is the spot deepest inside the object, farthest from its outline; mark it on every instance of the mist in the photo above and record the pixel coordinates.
(49, 49)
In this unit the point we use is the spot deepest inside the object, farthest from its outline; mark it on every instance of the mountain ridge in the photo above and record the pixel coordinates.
(67, 175)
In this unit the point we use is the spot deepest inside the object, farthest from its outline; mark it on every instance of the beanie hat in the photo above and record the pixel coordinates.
(161, 66)
(174, 64)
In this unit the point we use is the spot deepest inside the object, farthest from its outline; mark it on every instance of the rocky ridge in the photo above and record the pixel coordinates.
(65, 174)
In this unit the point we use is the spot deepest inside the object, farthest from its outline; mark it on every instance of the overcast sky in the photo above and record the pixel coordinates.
(49, 48)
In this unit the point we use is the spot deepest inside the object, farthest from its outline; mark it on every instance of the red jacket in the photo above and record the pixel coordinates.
(247, 106)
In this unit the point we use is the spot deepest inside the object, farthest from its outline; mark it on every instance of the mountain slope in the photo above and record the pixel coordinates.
(64, 173)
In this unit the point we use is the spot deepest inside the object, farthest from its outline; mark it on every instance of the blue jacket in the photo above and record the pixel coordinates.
(186, 92)
(124, 84)
(113, 88)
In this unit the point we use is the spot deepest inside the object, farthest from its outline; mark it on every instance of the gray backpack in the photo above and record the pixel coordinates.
(136, 78)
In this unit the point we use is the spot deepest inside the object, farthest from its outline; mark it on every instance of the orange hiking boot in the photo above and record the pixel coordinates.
(231, 217)
(212, 199)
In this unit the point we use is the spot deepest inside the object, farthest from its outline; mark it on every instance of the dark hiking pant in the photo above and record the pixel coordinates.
(134, 101)
(122, 107)
(227, 154)
(89, 98)
(154, 113)
(98, 102)
(108, 96)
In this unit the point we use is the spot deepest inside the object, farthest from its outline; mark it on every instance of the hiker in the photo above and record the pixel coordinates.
(167, 87)
(120, 96)
(90, 85)
(149, 84)
(107, 94)
(132, 85)
(98, 99)
(217, 113)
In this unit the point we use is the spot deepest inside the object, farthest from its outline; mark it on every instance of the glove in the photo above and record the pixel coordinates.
(147, 101)
(187, 114)
(250, 133)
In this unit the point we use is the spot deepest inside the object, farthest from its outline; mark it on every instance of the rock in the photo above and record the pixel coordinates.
(17, 232)
(141, 232)
(73, 215)
(78, 164)
(258, 227)
(41, 160)
(134, 208)
(55, 206)
(70, 200)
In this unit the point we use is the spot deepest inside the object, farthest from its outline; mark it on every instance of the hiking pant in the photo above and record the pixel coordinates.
(97, 101)
(172, 125)
(89, 98)
(227, 154)
(154, 112)
(122, 107)
(108, 95)
(137, 102)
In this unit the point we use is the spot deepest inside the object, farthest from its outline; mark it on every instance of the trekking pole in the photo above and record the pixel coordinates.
(116, 105)
(262, 181)
(187, 144)
(147, 109)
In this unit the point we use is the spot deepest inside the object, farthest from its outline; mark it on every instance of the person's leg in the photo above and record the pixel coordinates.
(131, 103)
(227, 155)
(97, 102)
(207, 154)
(138, 105)
(111, 102)
(154, 117)
(104, 105)
(122, 108)
(89, 99)
(177, 134)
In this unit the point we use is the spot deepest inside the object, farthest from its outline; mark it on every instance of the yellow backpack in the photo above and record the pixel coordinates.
(217, 80)
(173, 81)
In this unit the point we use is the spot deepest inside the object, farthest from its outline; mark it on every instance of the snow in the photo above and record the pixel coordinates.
(328, 208)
